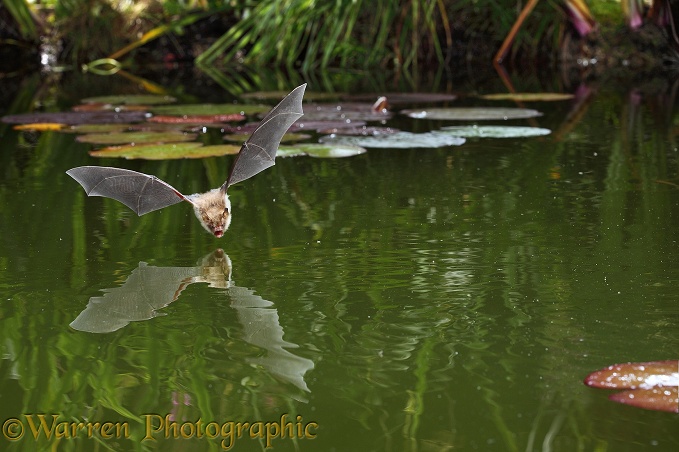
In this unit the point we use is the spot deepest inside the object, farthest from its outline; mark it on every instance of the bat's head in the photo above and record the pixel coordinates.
(213, 210)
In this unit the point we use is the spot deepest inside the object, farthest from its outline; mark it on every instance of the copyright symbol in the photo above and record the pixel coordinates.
(13, 429)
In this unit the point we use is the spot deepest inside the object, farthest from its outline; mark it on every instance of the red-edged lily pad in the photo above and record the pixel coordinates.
(650, 385)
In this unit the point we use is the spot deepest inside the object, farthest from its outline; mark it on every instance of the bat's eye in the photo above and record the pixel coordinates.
(226, 210)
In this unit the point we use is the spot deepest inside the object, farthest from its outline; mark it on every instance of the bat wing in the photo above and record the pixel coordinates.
(145, 291)
(259, 151)
(138, 191)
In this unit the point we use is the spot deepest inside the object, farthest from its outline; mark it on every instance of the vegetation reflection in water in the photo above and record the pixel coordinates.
(445, 298)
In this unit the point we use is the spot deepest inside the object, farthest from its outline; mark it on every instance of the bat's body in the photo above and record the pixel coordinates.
(144, 193)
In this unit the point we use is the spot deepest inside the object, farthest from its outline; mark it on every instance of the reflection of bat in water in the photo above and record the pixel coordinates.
(150, 288)
(144, 193)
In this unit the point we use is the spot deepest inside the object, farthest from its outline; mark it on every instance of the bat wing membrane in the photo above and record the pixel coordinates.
(140, 192)
(259, 151)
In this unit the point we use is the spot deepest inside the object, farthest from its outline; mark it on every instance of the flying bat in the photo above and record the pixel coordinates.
(144, 193)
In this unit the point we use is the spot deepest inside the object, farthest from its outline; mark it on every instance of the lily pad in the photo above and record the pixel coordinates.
(301, 125)
(472, 113)
(344, 111)
(98, 128)
(131, 99)
(166, 151)
(364, 131)
(209, 109)
(658, 399)
(109, 107)
(289, 137)
(528, 97)
(40, 127)
(406, 98)
(495, 131)
(636, 375)
(77, 117)
(649, 385)
(327, 151)
(136, 137)
(197, 119)
(399, 140)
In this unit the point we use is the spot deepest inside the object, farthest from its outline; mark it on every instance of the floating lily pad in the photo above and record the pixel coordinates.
(289, 137)
(98, 128)
(328, 151)
(399, 140)
(496, 131)
(301, 125)
(364, 131)
(197, 119)
(528, 97)
(649, 385)
(472, 113)
(658, 399)
(344, 111)
(40, 127)
(165, 151)
(636, 375)
(136, 137)
(77, 117)
(209, 109)
(406, 98)
(131, 99)
(109, 107)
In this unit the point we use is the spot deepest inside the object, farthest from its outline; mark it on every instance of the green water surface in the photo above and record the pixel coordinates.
(404, 300)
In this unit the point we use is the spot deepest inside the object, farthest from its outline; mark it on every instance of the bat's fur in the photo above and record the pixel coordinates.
(213, 210)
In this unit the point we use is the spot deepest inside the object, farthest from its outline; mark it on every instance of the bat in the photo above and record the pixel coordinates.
(144, 193)
(149, 289)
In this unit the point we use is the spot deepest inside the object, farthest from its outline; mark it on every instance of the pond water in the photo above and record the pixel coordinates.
(404, 299)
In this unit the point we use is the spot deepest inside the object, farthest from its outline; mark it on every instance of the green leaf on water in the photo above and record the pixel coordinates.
(131, 99)
(209, 109)
(472, 113)
(495, 131)
(167, 151)
(398, 140)
(97, 128)
(136, 137)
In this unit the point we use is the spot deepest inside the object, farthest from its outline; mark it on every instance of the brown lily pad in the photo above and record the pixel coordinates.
(649, 385)
(636, 375)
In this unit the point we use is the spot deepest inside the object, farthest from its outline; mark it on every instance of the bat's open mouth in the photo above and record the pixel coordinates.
(219, 233)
